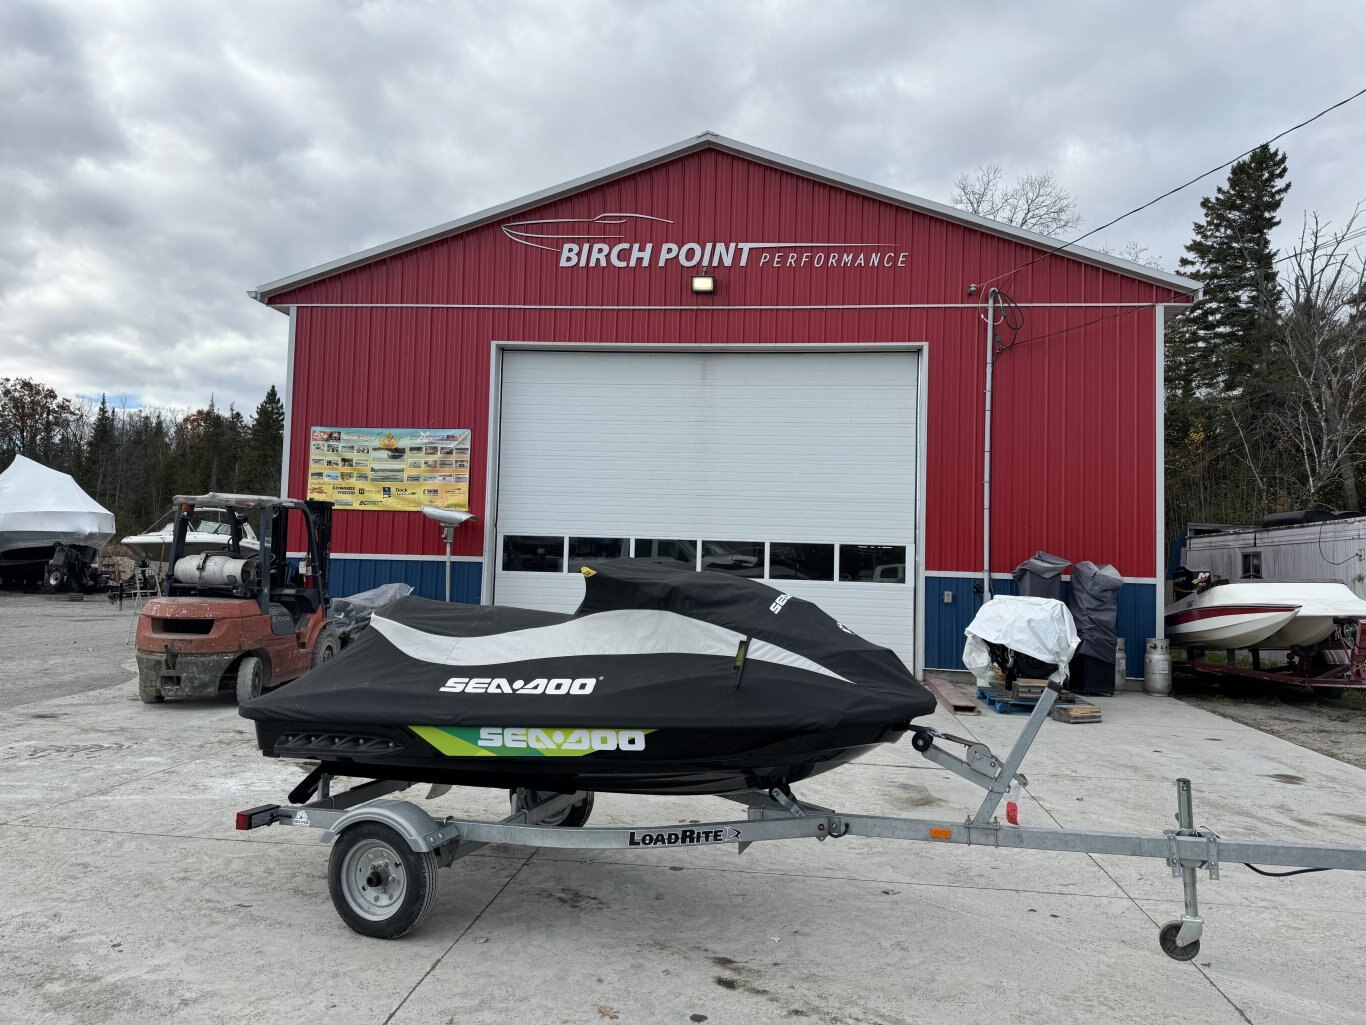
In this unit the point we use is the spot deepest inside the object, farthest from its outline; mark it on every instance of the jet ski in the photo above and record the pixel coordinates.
(664, 681)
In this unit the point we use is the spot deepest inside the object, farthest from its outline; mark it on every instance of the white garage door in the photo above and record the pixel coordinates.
(798, 468)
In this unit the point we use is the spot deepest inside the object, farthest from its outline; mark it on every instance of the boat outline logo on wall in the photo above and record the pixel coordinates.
(779, 602)
(556, 686)
(518, 230)
(604, 241)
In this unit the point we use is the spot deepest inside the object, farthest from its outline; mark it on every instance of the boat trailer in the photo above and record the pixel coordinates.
(1332, 668)
(382, 871)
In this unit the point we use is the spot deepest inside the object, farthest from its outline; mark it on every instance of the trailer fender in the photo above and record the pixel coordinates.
(422, 832)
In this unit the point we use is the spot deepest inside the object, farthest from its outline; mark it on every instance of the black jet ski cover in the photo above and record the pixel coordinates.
(650, 647)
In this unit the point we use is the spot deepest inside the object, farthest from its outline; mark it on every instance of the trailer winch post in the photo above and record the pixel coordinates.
(1011, 766)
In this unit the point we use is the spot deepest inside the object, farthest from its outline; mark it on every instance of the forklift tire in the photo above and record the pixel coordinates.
(251, 679)
(327, 647)
(150, 695)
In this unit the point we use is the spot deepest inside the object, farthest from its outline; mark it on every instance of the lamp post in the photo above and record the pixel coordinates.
(448, 519)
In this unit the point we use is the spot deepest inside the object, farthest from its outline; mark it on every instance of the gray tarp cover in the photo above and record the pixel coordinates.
(1040, 576)
(1094, 602)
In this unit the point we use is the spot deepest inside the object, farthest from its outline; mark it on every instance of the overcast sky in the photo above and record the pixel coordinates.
(157, 160)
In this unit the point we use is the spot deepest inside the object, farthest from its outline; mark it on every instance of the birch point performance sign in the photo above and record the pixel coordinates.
(396, 469)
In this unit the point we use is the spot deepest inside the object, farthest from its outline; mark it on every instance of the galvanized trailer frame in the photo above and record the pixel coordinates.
(382, 872)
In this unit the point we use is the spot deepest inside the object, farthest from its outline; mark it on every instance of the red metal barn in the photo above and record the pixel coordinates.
(817, 419)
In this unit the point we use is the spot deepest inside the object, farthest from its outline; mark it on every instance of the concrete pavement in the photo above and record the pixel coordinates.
(131, 898)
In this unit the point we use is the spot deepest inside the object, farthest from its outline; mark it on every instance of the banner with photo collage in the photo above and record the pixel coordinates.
(366, 468)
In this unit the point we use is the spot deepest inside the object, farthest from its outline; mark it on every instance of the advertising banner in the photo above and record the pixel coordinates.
(366, 468)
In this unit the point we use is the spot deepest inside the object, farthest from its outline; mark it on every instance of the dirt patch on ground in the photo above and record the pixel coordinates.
(1330, 725)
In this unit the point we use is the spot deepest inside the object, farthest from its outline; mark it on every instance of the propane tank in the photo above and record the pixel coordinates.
(1157, 666)
(217, 569)
(1121, 664)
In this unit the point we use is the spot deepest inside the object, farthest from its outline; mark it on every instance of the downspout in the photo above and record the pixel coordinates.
(986, 448)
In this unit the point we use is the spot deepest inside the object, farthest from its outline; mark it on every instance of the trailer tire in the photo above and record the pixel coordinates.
(1166, 939)
(380, 886)
(572, 818)
(251, 678)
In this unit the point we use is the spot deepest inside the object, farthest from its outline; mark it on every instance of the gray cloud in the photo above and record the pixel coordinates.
(159, 159)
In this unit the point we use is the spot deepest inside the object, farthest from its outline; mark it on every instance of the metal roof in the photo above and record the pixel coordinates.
(710, 140)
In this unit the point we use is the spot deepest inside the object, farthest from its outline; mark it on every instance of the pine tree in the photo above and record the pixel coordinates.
(1223, 457)
(264, 448)
(98, 465)
(1220, 343)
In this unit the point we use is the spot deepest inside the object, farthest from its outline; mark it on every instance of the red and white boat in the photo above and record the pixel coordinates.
(1263, 614)
(1241, 615)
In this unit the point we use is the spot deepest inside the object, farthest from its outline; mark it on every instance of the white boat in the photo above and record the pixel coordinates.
(210, 532)
(1238, 615)
(41, 508)
(1322, 604)
(1263, 614)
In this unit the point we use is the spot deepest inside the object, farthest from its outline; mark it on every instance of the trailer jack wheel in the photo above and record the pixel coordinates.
(1166, 938)
(380, 886)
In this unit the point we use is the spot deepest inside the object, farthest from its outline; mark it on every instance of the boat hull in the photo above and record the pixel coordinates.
(1227, 626)
(156, 548)
(1243, 614)
(670, 762)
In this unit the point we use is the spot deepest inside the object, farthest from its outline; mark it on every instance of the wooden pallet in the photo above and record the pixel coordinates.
(950, 698)
(1002, 703)
(1076, 713)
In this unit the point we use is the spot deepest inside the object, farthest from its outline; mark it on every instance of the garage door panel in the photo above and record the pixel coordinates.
(733, 446)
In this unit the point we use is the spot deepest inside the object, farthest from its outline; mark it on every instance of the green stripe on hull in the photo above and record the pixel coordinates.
(529, 741)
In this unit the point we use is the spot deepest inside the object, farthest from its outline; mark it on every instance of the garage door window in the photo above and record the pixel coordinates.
(876, 564)
(594, 549)
(743, 558)
(667, 551)
(796, 561)
(532, 554)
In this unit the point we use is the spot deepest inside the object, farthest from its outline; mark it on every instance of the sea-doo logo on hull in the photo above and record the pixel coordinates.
(549, 740)
(499, 685)
(683, 837)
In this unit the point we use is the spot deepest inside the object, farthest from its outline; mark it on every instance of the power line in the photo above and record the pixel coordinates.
(1172, 192)
(1100, 320)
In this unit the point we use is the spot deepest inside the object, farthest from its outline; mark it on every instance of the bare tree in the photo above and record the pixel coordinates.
(1036, 202)
(1321, 339)
(1134, 252)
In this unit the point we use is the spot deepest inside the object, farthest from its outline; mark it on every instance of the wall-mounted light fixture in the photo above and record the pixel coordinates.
(704, 283)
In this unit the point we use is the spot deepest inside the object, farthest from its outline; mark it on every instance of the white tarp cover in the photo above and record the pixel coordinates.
(39, 506)
(1038, 627)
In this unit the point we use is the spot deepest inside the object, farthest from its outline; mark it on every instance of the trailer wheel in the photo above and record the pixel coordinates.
(1166, 938)
(571, 818)
(251, 679)
(380, 886)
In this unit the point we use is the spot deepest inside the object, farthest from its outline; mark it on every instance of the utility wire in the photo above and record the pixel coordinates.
(1172, 192)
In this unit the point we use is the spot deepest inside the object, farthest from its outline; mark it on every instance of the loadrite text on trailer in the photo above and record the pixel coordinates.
(680, 837)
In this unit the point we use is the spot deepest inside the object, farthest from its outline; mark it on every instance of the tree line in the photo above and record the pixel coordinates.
(1266, 372)
(133, 461)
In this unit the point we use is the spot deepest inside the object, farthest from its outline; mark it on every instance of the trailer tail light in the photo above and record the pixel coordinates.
(262, 815)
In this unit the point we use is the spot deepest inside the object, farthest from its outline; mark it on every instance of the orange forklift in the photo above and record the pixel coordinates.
(238, 617)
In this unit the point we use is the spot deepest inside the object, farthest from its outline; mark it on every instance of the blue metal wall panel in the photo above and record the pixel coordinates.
(944, 624)
(428, 577)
